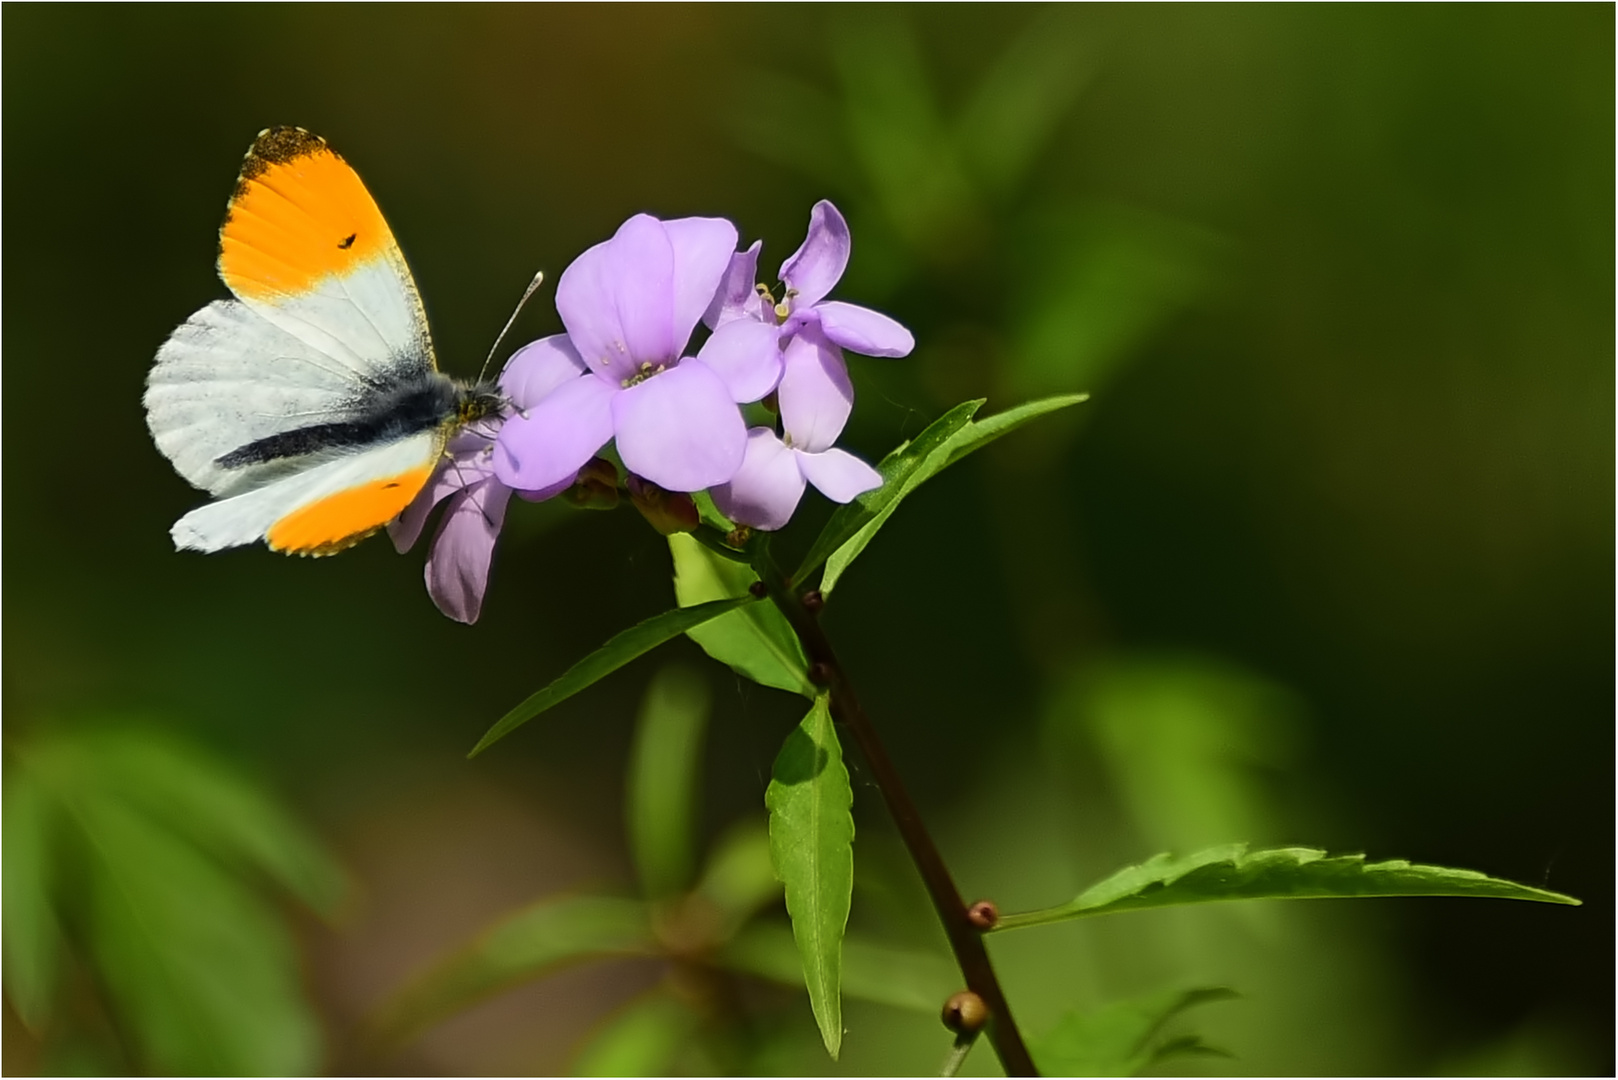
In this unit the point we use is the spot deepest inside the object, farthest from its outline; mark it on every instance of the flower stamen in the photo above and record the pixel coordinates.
(646, 372)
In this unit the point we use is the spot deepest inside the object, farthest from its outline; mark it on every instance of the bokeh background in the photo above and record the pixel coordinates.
(1327, 558)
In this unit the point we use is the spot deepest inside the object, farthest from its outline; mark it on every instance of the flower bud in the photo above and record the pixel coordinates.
(965, 1013)
(669, 512)
(983, 914)
(596, 487)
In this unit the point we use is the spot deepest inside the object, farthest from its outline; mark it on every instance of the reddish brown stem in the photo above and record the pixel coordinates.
(965, 939)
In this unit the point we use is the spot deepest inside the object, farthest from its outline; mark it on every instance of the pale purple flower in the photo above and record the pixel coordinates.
(629, 305)
(814, 393)
(458, 563)
(815, 398)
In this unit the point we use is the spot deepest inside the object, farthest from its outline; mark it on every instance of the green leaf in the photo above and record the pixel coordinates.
(1120, 1039)
(188, 791)
(739, 878)
(199, 971)
(1018, 104)
(812, 845)
(902, 978)
(33, 938)
(164, 846)
(528, 945)
(1229, 872)
(662, 780)
(755, 642)
(935, 455)
(848, 520)
(641, 1040)
(620, 650)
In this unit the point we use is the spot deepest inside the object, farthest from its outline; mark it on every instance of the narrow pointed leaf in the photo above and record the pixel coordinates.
(1019, 102)
(944, 443)
(1230, 872)
(896, 469)
(739, 878)
(208, 803)
(529, 945)
(32, 935)
(812, 845)
(1120, 1039)
(663, 780)
(199, 970)
(755, 642)
(641, 1040)
(620, 650)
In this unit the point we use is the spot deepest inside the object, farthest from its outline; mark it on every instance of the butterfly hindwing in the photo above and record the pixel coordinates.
(322, 508)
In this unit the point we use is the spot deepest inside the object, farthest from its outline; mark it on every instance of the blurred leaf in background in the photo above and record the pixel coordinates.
(141, 871)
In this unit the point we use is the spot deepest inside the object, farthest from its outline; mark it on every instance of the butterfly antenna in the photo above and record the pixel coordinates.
(533, 287)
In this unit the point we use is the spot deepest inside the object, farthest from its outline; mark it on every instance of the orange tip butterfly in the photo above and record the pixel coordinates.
(311, 406)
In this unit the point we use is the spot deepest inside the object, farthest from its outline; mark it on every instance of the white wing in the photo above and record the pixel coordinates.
(251, 517)
(227, 377)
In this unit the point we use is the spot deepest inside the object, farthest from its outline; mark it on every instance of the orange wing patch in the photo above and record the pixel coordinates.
(342, 520)
(299, 214)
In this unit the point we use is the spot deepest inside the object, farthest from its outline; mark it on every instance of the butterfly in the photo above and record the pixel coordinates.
(311, 406)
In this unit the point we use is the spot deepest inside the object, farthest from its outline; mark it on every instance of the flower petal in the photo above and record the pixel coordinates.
(766, 489)
(815, 393)
(680, 429)
(703, 248)
(747, 355)
(617, 300)
(838, 475)
(816, 266)
(539, 495)
(738, 296)
(861, 330)
(553, 439)
(405, 529)
(538, 368)
(458, 569)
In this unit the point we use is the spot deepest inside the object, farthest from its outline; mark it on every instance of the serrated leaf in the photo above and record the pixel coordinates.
(812, 846)
(200, 972)
(755, 642)
(847, 520)
(662, 786)
(959, 441)
(1119, 1039)
(902, 978)
(623, 647)
(33, 945)
(1230, 872)
(640, 1040)
(528, 945)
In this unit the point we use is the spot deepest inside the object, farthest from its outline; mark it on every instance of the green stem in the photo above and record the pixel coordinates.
(965, 939)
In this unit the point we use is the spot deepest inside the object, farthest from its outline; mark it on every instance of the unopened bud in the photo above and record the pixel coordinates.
(813, 601)
(965, 1013)
(983, 914)
(668, 512)
(759, 590)
(597, 486)
(820, 673)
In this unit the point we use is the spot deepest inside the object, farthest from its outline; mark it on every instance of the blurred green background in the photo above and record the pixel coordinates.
(1327, 558)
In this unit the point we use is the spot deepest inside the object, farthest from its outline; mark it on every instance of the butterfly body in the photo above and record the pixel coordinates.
(310, 405)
